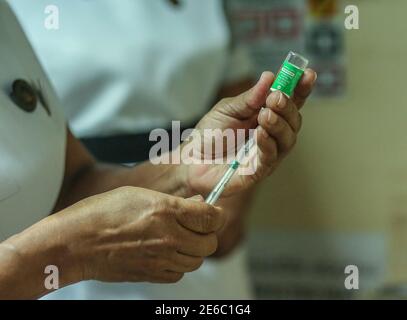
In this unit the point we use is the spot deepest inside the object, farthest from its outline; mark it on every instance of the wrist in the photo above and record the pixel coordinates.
(66, 249)
(43, 244)
(178, 174)
(181, 175)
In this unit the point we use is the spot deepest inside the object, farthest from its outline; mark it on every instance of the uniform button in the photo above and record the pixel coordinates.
(175, 3)
(42, 99)
(24, 95)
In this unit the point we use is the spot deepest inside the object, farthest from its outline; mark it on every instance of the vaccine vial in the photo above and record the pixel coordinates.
(290, 73)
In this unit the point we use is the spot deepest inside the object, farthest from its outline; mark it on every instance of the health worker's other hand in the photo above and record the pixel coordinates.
(276, 120)
(133, 234)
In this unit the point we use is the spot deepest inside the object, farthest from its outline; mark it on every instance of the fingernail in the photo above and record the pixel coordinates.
(273, 118)
(265, 114)
(281, 102)
(315, 77)
(197, 197)
(276, 99)
(261, 76)
(263, 132)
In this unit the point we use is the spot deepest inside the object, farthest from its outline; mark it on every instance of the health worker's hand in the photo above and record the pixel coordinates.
(134, 234)
(275, 119)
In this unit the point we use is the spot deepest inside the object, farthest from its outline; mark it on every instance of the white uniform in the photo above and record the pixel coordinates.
(32, 145)
(130, 66)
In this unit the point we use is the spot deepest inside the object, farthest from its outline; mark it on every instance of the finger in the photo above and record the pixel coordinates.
(255, 97)
(183, 263)
(199, 217)
(249, 102)
(277, 128)
(265, 157)
(197, 197)
(304, 87)
(196, 245)
(267, 149)
(166, 276)
(286, 108)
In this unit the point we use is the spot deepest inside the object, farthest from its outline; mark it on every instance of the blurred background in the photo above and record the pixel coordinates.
(340, 198)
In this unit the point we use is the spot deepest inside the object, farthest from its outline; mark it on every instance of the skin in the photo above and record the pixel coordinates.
(128, 234)
(109, 225)
(235, 207)
(279, 123)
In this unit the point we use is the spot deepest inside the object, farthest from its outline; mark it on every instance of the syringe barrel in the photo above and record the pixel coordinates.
(217, 191)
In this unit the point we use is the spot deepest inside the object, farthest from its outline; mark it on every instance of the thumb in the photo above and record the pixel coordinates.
(248, 103)
(200, 217)
(197, 197)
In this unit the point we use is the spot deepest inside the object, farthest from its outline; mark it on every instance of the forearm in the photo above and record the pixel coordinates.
(97, 178)
(24, 257)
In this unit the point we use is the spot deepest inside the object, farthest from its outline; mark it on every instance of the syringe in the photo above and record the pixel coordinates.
(286, 81)
(217, 191)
